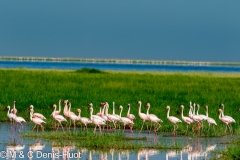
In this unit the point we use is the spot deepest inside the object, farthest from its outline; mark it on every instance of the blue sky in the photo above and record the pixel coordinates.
(148, 30)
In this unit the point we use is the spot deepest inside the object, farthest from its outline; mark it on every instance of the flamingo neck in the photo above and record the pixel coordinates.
(31, 115)
(113, 107)
(220, 117)
(103, 110)
(8, 111)
(168, 112)
(190, 111)
(194, 106)
(59, 106)
(139, 110)
(65, 107)
(91, 112)
(53, 114)
(148, 110)
(223, 111)
(121, 112)
(106, 110)
(182, 113)
(207, 111)
(79, 114)
(128, 110)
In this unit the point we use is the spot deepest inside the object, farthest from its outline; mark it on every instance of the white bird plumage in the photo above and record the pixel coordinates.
(153, 119)
(125, 120)
(36, 121)
(173, 119)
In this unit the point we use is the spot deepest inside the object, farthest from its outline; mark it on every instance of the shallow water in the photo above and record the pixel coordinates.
(195, 148)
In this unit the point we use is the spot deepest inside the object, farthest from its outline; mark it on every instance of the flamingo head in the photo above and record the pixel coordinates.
(30, 107)
(60, 101)
(14, 102)
(206, 106)
(167, 108)
(102, 104)
(147, 105)
(8, 107)
(138, 102)
(120, 107)
(128, 105)
(221, 105)
(220, 111)
(90, 104)
(54, 106)
(78, 110)
(65, 101)
(238, 109)
(182, 106)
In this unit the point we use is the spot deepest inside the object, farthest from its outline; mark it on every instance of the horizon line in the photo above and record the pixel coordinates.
(114, 60)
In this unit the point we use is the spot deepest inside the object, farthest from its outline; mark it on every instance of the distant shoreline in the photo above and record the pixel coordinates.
(117, 61)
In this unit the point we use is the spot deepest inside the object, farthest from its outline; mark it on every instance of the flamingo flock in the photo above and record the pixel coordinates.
(103, 119)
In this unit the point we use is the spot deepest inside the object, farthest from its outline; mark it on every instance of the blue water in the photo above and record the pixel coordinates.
(114, 66)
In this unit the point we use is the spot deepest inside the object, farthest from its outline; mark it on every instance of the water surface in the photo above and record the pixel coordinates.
(194, 147)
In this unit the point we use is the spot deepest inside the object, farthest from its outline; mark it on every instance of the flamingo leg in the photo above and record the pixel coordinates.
(34, 127)
(141, 127)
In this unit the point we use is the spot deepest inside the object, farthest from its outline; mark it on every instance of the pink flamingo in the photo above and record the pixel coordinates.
(153, 119)
(227, 120)
(98, 121)
(83, 120)
(173, 119)
(73, 117)
(112, 118)
(36, 121)
(14, 110)
(143, 116)
(188, 120)
(210, 120)
(37, 115)
(125, 120)
(10, 115)
(130, 116)
(58, 117)
(196, 118)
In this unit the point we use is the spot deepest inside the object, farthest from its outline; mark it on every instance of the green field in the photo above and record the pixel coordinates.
(42, 88)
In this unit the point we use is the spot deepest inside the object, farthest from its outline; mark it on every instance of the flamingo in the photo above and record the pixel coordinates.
(19, 120)
(143, 116)
(227, 120)
(66, 111)
(96, 116)
(130, 116)
(188, 120)
(83, 120)
(37, 115)
(36, 121)
(118, 119)
(73, 117)
(57, 112)
(196, 118)
(14, 110)
(98, 121)
(209, 119)
(125, 120)
(173, 119)
(153, 118)
(111, 117)
(222, 105)
(58, 117)
(10, 115)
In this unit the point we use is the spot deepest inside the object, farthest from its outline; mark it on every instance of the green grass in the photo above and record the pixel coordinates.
(42, 88)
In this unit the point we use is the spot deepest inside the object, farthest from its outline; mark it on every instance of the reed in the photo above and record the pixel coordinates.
(42, 88)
